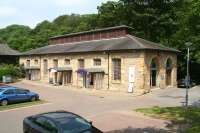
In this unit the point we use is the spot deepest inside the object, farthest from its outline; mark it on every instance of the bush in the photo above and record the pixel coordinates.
(10, 70)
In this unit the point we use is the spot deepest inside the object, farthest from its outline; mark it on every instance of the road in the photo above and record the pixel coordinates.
(108, 110)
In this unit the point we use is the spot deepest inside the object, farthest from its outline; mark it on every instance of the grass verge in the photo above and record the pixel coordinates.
(179, 116)
(19, 105)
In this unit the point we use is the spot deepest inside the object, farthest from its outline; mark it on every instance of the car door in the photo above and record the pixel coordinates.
(10, 95)
(21, 95)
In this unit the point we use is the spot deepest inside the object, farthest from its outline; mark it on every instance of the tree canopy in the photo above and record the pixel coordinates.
(168, 22)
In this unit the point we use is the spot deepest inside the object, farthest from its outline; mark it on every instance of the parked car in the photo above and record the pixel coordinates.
(58, 122)
(9, 94)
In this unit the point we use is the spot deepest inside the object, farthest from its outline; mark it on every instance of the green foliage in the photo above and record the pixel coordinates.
(10, 70)
(178, 115)
(169, 22)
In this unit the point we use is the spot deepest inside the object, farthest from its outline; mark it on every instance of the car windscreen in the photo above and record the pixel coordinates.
(73, 125)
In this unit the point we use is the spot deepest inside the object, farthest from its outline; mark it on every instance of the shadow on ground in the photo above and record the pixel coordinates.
(139, 130)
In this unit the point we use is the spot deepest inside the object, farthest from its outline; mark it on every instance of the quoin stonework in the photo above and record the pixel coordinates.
(107, 59)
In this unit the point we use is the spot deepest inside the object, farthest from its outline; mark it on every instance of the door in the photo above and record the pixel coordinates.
(98, 80)
(153, 78)
(168, 77)
(69, 77)
(21, 95)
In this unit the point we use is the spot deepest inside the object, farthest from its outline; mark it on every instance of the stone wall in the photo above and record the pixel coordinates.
(141, 60)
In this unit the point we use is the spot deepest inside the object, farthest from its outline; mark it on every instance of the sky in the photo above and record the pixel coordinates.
(31, 12)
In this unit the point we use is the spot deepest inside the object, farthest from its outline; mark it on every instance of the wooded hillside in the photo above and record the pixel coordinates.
(169, 22)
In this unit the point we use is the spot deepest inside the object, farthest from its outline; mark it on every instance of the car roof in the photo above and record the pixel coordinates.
(60, 116)
(7, 87)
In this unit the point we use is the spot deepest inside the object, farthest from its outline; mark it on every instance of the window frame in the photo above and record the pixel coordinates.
(67, 62)
(81, 65)
(97, 62)
(116, 69)
(36, 62)
(55, 65)
(45, 66)
(28, 63)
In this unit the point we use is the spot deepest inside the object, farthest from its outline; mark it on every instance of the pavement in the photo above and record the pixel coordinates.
(109, 111)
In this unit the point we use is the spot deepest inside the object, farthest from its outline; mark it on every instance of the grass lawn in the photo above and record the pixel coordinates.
(177, 115)
(19, 105)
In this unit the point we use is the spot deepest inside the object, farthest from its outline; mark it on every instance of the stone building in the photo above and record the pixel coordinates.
(109, 59)
(8, 55)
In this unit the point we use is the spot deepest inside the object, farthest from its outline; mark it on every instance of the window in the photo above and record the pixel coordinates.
(28, 62)
(67, 62)
(46, 124)
(45, 66)
(9, 92)
(81, 63)
(55, 63)
(20, 91)
(97, 62)
(116, 69)
(36, 62)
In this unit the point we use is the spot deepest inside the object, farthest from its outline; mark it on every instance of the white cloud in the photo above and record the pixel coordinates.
(6, 11)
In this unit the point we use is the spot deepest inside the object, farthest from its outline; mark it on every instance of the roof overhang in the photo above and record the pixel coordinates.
(32, 68)
(60, 69)
(90, 70)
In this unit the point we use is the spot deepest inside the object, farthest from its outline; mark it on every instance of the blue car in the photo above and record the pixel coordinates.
(10, 94)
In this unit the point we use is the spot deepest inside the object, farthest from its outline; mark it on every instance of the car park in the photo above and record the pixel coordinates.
(10, 94)
(58, 122)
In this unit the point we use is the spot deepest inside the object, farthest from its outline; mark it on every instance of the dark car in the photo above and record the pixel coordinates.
(182, 83)
(10, 94)
(58, 122)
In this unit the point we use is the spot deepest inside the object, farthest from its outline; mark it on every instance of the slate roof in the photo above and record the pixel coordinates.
(93, 31)
(6, 50)
(127, 42)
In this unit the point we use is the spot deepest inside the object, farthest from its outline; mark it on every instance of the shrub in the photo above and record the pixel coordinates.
(10, 70)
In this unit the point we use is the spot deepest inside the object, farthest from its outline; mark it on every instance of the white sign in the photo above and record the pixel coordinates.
(53, 70)
(131, 74)
(131, 78)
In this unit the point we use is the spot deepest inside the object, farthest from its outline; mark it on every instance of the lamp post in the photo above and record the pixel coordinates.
(187, 80)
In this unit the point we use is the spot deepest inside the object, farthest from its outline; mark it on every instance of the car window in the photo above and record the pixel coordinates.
(8, 92)
(50, 126)
(19, 91)
(46, 124)
(75, 125)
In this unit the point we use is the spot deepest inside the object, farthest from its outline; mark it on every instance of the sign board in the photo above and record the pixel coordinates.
(131, 74)
(53, 70)
(131, 78)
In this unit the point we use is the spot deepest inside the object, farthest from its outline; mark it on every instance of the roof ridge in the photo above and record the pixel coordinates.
(92, 30)
(133, 38)
(89, 41)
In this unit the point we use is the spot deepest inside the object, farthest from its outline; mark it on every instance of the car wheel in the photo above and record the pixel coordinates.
(33, 99)
(4, 102)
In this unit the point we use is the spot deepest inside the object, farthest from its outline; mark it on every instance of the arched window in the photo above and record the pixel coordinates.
(168, 72)
(153, 72)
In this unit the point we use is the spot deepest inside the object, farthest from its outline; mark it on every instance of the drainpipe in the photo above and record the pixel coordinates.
(40, 67)
(108, 70)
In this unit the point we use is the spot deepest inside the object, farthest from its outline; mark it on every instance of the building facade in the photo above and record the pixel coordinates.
(109, 59)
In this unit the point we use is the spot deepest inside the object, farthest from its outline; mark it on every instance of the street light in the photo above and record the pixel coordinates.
(187, 80)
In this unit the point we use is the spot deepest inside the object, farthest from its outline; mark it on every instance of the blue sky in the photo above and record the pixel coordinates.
(31, 12)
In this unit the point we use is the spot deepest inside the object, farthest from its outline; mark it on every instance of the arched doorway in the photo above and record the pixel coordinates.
(168, 72)
(153, 72)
